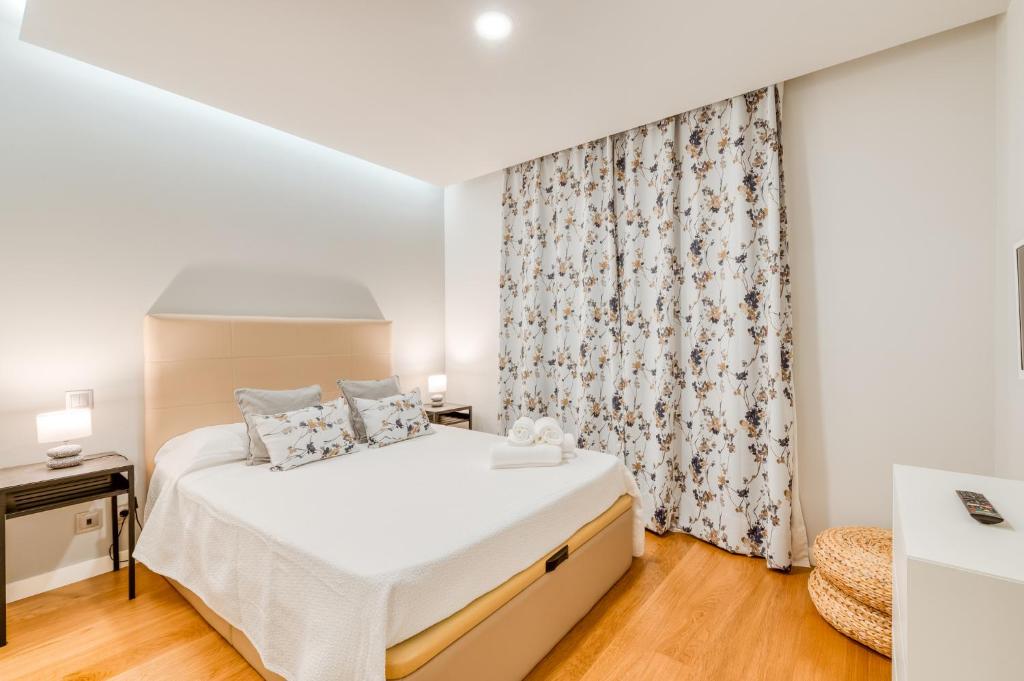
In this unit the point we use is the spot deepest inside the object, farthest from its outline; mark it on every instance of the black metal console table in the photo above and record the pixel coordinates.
(34, 488)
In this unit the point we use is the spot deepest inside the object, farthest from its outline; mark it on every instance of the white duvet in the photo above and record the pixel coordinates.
(326, 566)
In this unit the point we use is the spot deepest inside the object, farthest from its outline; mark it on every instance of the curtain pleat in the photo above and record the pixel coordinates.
(645, 303)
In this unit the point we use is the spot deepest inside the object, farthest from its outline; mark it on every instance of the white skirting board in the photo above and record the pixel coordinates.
(69, 574)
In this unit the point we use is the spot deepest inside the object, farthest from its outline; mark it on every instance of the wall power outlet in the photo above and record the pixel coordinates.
(88, 521)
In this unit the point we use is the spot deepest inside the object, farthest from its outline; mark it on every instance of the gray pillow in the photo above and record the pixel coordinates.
(366, 390)
(252, 401)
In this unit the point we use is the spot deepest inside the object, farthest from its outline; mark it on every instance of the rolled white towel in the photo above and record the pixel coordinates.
(521, 433)
(569, 445)
(547, 431)
(508, 455)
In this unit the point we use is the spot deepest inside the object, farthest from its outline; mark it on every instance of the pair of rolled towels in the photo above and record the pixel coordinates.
(533, 443)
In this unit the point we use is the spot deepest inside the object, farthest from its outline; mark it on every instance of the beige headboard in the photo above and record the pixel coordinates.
(194, 363)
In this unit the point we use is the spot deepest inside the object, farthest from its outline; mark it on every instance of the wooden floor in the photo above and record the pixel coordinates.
(686, 611)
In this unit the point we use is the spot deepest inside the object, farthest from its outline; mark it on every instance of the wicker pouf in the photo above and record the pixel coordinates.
(858, 561)
(858, 621)
(851, 585)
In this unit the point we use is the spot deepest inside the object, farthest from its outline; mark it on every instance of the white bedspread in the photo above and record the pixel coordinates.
(326, 566)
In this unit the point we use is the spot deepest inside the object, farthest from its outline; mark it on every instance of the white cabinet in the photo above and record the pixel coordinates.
(958, 585)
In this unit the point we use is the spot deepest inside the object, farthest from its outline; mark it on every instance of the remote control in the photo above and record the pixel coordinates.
(979, 507)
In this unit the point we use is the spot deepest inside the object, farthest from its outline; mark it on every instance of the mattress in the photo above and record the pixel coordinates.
(326, 566)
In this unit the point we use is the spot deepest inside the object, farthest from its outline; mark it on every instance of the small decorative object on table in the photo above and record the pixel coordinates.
(62, 426)
(437, 386)
(458, 415)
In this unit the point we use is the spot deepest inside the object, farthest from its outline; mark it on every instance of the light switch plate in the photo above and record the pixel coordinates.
(78, 399)
(87, 521)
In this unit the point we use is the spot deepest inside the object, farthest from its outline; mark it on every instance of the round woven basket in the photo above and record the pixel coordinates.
(851, 617)
(858, 561)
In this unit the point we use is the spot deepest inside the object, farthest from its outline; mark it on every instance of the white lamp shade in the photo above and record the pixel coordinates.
(438, 383)
(64, 425)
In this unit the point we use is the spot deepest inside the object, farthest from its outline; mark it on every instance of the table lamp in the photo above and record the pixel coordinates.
(61, 426)
(437, 385)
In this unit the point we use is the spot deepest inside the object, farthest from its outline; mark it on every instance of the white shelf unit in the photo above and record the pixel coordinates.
(958, 585)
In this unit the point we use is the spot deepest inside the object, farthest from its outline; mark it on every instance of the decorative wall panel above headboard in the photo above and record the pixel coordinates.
(194, 363)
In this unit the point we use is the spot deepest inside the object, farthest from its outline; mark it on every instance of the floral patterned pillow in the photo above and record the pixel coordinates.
(303, 436)
(393, 419)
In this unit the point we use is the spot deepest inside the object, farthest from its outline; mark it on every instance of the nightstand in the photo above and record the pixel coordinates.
(458, 415)
(34, 488)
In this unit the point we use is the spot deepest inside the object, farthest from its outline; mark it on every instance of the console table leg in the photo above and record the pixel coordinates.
(3, 571)
(116, 550)
(131, 533)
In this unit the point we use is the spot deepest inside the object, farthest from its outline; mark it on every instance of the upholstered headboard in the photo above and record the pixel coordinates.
(194, 363)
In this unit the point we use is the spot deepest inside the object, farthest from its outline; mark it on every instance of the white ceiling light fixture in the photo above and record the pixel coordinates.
(493, 26)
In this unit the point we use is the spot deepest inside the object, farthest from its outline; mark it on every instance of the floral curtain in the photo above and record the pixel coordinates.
(645, 302)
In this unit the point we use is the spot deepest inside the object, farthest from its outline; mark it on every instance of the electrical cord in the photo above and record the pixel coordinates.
(120, 527)
(123, 515)
(138, 515)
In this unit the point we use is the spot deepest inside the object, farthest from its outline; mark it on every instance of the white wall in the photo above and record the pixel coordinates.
(1009, 402)
(889, 171)
(472, 259)
(116, 197)
(889, 174)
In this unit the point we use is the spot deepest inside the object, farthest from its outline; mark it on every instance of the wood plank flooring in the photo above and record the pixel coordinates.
(691, 612)
(687, 611)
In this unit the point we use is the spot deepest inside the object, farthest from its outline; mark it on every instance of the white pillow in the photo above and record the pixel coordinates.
(192, 451)
(305, 435)
(393, 419)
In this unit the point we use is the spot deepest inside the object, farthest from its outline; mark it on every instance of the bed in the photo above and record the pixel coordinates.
(413, 561)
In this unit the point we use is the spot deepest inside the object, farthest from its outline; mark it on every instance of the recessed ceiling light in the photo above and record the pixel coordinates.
(493, 26)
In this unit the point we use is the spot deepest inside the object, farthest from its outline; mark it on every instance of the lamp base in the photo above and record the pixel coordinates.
(64, 451)
(64, 462)
(437, 400)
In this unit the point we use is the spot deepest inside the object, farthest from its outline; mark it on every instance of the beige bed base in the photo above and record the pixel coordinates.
(192, 366)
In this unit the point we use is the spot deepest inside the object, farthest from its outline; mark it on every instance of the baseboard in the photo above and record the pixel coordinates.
(69, 574)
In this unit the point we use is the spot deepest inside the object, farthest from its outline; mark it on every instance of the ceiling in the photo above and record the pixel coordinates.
(408, 84)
